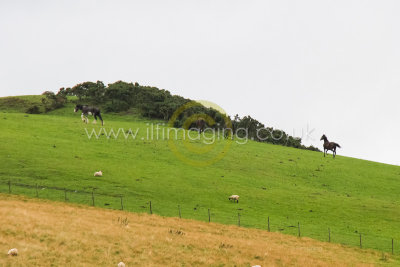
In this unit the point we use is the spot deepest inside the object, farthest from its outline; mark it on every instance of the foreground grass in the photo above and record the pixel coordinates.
(347, 195)
(57, 234)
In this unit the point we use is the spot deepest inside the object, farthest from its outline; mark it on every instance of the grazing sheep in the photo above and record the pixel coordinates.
(121, 264)
(99, 173)
(13, 252)
(234, 198)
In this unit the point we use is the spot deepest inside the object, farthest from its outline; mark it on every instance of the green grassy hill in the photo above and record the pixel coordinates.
(20, 103)
(289, 185)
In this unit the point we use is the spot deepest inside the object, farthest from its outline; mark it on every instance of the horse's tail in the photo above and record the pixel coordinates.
(336, 144)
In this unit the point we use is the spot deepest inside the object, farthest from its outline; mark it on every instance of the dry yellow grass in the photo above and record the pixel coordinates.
(57, 234)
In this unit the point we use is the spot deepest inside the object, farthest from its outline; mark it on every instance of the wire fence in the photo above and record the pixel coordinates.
(96, 198)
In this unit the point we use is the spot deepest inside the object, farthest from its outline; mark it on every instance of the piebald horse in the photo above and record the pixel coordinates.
(329, 146)
(86, 110)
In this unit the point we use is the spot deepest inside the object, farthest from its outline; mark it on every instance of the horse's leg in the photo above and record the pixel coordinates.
(95, 118)
(102, 123)
(83, 118)
(324, 152)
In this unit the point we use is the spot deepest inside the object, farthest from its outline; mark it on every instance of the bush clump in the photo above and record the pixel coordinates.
(33, 110)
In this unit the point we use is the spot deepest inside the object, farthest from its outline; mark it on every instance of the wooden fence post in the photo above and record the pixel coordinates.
(9, 186)
(392, 247)
(151, 210)
(37, 192)
(209, 216)
(360, 242)
(122, 204)
(329, 234)
(179, 209)
(238, 219)
(269, 230)
(93, 197)
(298, 227)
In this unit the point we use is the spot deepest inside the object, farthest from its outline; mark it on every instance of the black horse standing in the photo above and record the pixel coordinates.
(86, 110)
(329, 146)
(200, 125)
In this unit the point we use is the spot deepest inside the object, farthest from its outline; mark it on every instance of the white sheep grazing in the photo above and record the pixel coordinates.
(99, 173)
(121, 264)
(13, 252)
(234, 198)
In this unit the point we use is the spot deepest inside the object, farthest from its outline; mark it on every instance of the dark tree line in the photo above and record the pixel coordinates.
(155, 103)
(257, 131)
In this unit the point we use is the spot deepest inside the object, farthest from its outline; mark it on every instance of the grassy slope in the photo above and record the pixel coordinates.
(57, 234)
(349, 196)
(20, 103)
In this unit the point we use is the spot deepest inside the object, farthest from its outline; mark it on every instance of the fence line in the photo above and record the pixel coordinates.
(36, 186)
(120, 197)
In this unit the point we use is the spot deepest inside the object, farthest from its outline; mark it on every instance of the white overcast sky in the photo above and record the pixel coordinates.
(332, 66)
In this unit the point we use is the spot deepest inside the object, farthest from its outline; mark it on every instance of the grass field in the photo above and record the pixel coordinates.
(347, 195)
(57, 234)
